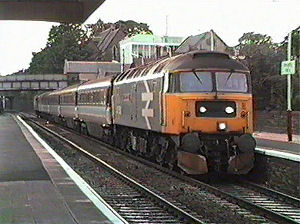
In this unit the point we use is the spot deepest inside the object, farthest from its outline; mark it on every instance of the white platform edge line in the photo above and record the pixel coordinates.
(99, 202)
(280, 154)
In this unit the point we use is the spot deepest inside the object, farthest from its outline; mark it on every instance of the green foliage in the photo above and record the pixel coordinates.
(129, 27)
(66, 41)
(252, 38)
(295, 42)
(263, 58)
(69, 42)
(132, 28)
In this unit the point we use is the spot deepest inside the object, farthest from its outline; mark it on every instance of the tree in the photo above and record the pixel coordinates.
(70, 41)
(263, 58)
(132, 28)
(295, 53)
(295, 42)
(66, 41)
(129, 27)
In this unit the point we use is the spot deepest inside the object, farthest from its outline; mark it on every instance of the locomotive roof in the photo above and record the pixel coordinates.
(195, 60)
(204, 60)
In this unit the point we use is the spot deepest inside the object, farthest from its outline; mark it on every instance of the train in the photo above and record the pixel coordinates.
(192, 111)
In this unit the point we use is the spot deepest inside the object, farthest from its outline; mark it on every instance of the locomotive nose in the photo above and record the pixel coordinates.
(245, 143)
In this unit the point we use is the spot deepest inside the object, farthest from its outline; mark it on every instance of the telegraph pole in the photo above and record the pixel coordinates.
(289, 90)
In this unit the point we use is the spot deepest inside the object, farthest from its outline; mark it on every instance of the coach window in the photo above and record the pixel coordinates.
(71, 98)
(62, 99)
(96, 97)
(108, 97)
(65, 99)
(90, 97)
(102, 97)
(82, 96)
(79, 98)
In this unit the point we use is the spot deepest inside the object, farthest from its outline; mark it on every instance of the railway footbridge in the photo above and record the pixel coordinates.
(17, 91)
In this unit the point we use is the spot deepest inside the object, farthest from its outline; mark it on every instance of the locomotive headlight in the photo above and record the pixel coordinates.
(202, 109)
(229, 110)
(222, 126)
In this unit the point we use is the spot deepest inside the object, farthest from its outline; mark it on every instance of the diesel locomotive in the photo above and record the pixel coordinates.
(192, 110)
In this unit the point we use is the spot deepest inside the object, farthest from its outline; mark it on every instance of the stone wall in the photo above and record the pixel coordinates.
(276, 173)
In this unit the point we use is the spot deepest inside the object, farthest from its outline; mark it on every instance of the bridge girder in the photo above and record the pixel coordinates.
(64, 11)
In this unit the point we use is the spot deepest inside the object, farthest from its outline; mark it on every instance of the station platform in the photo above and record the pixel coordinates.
(277, 137)
(277, 145)
(36, 188)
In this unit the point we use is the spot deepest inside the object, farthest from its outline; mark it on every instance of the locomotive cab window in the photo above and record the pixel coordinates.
(231, 82)
(205, 81)
(196, 82)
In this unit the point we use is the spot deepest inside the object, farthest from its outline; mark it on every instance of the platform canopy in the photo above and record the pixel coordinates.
(68, 11)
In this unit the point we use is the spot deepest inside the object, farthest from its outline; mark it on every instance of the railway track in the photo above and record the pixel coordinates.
(134, 202)
(284, 207)
(262, 201)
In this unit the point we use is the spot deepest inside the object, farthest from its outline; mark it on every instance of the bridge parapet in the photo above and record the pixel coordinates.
(33, 82)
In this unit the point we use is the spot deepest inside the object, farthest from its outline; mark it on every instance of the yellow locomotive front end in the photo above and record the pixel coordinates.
(211, 110)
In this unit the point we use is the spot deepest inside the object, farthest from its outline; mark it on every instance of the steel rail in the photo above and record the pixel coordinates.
(263, 211)
(284, 197)
(175, 209)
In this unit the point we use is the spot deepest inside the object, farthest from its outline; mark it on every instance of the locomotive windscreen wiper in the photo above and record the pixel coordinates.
(198, 78)
(231, 72)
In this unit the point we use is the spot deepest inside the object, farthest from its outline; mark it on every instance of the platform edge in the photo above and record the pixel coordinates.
(97, 200)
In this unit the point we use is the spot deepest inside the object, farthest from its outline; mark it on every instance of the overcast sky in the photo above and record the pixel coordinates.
(228, 18)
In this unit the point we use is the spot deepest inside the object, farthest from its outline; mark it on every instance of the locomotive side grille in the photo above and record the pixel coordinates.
(215, 109)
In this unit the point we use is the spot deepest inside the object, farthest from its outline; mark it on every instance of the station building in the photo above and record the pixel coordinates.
(147, 47)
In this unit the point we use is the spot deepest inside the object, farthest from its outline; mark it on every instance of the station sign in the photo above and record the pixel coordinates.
(288, 67)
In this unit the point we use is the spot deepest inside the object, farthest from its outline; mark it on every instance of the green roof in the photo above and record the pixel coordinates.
(150, 38)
